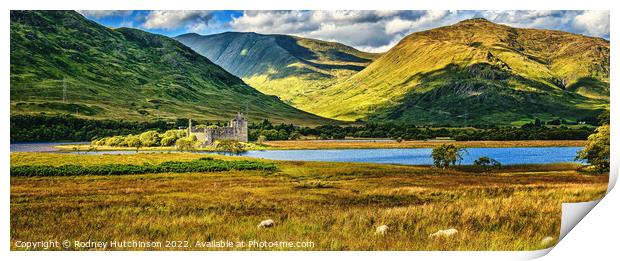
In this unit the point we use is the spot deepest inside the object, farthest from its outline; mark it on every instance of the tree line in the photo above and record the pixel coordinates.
(69, 128)
(411, 132)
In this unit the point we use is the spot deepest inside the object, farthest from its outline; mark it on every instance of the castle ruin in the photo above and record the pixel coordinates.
(237, 129)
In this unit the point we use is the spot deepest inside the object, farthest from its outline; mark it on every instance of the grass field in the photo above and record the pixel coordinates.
(335, 206)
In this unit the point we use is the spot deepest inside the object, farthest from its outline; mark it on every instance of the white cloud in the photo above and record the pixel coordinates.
(380, 30)
(170, 20)
(595, 23)
(366, 30)
(557, 20)
(98, 14)
(429, 20)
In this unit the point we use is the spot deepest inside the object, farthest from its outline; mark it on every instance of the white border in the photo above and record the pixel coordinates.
(594, 237)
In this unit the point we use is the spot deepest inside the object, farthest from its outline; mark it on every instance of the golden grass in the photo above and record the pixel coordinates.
(510, 210)
(317, 144)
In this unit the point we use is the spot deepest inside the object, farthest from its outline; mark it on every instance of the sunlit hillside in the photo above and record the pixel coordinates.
(293, 68)
(477, 72)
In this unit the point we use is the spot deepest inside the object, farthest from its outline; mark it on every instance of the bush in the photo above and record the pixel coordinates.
(200, 165)
(99, 142)
(486, 163)
(230, 146)
(445, 155)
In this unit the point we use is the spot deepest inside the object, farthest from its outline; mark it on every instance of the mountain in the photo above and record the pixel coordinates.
(62, 62)
(479, 72)
(293, 68)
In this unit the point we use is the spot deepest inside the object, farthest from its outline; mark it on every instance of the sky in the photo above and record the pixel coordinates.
(371, 31)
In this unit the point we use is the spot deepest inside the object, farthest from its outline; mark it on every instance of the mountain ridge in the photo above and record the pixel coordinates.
(277, 64)
(62, 62)
(495, 70)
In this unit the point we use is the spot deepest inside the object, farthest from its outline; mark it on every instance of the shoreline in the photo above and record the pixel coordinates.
(349, 144)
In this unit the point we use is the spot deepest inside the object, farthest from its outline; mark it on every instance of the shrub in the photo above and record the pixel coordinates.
(99, 142)
(230, 146)
(200, 165)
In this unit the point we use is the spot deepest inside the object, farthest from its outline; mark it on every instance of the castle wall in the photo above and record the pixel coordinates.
(237, 129)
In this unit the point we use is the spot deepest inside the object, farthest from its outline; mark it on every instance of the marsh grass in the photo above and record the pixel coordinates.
(512, 210)
(205, 164)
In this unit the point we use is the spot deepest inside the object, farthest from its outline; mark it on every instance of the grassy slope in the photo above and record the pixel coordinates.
(292, 68)
(492, 73)
(123, 74)
(509, 210)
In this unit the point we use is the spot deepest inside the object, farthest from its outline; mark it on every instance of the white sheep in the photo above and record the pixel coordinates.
(546, 241)
(382, 230)
(266, 223)
(445, 233)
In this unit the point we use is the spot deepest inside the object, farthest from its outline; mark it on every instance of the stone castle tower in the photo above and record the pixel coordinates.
(237, 129)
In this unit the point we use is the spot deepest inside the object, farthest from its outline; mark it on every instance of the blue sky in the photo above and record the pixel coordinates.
(374, 31)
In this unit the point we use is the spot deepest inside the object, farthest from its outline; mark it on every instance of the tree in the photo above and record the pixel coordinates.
(445, 155)
(150, 139)
(294, 136)
(133, 141)
(187, 143)
(596, 152)
(230, 146)
(115, 141)
(261, 139)
(537, 122)
(487, 163)
(604, 118)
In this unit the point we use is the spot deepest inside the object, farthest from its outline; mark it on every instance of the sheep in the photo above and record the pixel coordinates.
(382, 230)
(546, 241)
(266, 223)
(444, 233)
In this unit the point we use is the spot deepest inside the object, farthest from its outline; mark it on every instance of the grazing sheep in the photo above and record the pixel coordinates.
(382, 230)
(445, 233)
(546, 241)
(266, 223)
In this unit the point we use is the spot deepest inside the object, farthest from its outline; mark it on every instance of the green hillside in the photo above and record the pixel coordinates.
(292, 68)
(476, 72)
(124, 74)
